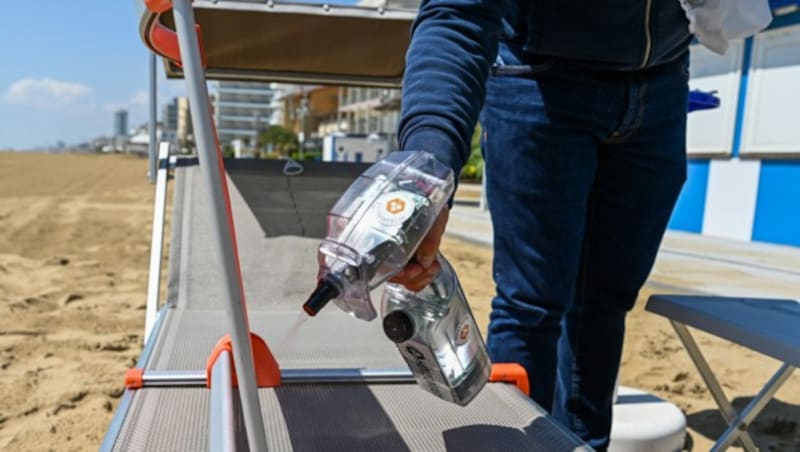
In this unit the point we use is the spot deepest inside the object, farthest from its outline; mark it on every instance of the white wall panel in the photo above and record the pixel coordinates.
(731, 198)
(772, 113)
(711, 131)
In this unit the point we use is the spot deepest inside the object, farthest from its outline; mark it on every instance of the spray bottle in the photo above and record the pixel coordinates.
(437, 336)
(375, 227)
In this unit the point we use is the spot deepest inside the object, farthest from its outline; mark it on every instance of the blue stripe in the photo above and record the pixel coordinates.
(747, 53)
(777, 217)
(775, 4)
(689, 210)
(785, 20)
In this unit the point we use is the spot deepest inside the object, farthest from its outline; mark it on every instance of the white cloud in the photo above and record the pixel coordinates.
(45, 92)
(140, 99)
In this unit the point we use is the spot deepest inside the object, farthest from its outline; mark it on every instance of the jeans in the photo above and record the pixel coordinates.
(583, 169)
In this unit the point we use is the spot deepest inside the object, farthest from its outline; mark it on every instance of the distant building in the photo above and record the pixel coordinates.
(170, 115)
(121, 123)
(346, 124)
(367, 111)
(310, 111)
(242, 110)
(184, 128)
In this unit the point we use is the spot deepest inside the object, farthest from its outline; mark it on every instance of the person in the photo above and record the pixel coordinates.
(583, 110)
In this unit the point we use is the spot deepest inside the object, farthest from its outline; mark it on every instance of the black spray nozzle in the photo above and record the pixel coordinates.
(398, 326)
(325, 292)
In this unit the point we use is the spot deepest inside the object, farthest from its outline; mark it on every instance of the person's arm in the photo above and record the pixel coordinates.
(453, 44)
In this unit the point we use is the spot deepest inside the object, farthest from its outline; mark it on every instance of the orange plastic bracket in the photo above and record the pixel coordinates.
(165, 43)
(163, 40)
(134, 378)
(268, 374)
(512, 373)
(158, 6)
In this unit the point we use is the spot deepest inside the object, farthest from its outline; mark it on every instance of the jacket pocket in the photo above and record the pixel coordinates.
(500, 68)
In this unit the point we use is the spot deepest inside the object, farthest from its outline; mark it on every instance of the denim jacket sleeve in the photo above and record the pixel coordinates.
(453, 45)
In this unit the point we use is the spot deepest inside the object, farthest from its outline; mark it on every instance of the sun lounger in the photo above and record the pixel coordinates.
(768, 326)
(330, 383)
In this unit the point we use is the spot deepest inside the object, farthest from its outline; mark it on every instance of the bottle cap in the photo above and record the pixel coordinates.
(325, 292)
(398, 326)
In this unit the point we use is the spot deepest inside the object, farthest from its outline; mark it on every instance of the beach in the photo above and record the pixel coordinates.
(74, 255)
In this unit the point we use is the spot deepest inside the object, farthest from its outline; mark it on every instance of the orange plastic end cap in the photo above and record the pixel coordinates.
(134, 378)
(158, 6)
(512, 373)
(268, 374)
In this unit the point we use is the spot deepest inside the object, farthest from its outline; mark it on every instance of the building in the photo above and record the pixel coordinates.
(744, 157)
(184, 130)
(310, 111)
(242, 110)
(170, 115)
(121, 123)
(366, 111)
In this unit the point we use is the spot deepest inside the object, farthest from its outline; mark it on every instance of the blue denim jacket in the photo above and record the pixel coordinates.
(456, 41)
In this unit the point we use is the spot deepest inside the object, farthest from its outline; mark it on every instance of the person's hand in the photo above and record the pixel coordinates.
(423, 267)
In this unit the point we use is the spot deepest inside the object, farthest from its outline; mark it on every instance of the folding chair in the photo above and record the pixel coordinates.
(768, 326)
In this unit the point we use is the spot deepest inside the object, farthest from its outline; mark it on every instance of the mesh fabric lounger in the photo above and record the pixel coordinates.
(335, 391)
(768, 326)
(279, 271)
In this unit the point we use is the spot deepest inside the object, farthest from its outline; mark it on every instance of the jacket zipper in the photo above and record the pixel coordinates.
(648, 39)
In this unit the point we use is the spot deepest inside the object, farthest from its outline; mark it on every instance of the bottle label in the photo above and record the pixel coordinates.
(423, 365)
(394, 208)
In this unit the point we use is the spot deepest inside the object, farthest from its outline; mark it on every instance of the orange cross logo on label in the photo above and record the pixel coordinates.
(395, 206)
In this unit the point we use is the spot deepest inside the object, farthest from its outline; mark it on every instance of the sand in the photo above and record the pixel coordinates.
(74, 250)
(74, 254)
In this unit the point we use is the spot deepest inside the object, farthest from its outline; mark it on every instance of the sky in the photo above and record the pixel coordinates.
(66, 66)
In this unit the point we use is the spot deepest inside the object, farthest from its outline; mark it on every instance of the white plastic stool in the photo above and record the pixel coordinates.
(644, 422)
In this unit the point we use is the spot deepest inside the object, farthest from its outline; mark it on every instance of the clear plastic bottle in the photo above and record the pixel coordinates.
(375, 227)
(438, 337)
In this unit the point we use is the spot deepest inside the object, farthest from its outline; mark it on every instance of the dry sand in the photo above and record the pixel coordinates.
(74, 253)
(74, 244)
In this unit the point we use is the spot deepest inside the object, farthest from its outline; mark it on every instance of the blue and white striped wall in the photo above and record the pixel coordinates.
(744, 170)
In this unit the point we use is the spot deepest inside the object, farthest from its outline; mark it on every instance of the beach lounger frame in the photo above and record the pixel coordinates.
(169, 28)
(768, 326)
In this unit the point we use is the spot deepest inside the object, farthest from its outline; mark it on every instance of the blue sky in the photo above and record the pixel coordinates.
(67, 65)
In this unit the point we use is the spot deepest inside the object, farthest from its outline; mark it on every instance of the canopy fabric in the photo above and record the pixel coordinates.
(294, 43)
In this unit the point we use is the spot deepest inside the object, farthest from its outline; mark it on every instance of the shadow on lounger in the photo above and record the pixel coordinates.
(346, 418)
(495, 438)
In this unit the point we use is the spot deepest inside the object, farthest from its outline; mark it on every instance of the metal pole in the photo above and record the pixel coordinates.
(196, 378)
(157, 240)
(221, 424)
(222, 221)
(151, 147)
(739, 425)
(300, 376)
(725, 407)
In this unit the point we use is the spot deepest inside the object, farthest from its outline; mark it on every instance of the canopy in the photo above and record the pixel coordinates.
(289, 42)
